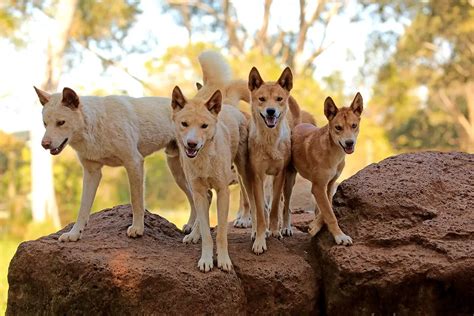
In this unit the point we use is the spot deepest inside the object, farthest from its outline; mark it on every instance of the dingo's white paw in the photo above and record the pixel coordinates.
(224, 263)
(205, 264)
(70, 236)
(253, 234)
(187, 228)
(276, 234)
(243, 222)
(191, 238)
(343, 239)
(287, 231)
(135, 231)
(259, 245)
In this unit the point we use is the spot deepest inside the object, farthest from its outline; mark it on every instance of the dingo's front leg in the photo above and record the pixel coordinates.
(223, 259)
(90, 182)
(320, 194)
(136, 179)
(260, 244)
(243, 219)
(178, 175)
(288, 188)
(201, 202)
(278, 181)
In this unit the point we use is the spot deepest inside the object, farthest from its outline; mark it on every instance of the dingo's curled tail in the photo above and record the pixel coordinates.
(215, 69)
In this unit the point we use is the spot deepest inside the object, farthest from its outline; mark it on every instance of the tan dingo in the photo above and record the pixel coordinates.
(211, 137)
(274, 113)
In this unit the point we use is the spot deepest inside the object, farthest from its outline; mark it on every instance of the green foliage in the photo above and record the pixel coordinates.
(104, 22)
(423, 89)
(8, 19)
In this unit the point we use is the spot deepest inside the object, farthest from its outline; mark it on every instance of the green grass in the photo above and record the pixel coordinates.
(8, 248)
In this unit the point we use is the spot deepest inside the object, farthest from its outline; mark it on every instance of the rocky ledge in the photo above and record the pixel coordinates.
(411, 217)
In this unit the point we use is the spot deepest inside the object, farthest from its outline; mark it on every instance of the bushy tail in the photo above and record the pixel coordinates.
(215, 69)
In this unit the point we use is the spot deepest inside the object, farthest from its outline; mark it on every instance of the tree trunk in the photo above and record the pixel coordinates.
(43, 196)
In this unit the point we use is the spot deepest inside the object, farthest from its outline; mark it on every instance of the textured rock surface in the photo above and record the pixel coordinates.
(106, 272)
(411, 217)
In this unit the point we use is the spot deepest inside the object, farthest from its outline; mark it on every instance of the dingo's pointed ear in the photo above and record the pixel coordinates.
(214, 104)
(357, 105)
(255, 80)
(43, 96)
(286, 79)
(70, 99)
(178, 101)
(198, 86)
(330, 108)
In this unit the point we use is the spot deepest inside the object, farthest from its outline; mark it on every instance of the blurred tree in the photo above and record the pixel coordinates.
(294, 48)
(93, 24)
(425, 89)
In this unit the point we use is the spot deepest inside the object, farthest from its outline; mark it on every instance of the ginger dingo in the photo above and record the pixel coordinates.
(319, 154)
(274, 114)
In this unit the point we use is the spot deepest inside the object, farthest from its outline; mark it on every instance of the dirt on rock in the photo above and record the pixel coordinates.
(411, 217)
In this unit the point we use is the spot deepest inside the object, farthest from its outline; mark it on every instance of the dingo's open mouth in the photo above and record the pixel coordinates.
(270, 121)
(191, 152)
(57, 150)
(347, 149)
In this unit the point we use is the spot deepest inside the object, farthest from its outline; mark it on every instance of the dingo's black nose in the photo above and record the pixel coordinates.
(349, 143)
(191, 144)
(271, 112)
(46, 144)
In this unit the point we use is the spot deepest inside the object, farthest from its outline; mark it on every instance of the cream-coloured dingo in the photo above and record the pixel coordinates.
(319, 156)
(110, 131)
(211, 137)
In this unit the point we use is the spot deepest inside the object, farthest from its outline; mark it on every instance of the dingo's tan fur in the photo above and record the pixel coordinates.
(274, 113)
(319, 156)
(111, 131)
(211, 137)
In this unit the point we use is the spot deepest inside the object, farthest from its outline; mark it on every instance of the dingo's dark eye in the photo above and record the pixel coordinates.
(44, 123)
(184, 124)
(279, 99)
(204, 126)
(60, 123)
(338, 127)
(354, 125)
(261, 99)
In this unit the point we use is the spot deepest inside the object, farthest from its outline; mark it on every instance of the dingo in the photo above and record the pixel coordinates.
(211, 137)
(274, 114)
(243, 218)
(318, 155)
(112, 131)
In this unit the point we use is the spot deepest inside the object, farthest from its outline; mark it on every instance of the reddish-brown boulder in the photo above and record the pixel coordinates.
(107, 272)
(411, 217)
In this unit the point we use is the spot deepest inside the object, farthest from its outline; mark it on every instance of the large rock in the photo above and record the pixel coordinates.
(411, 217)
(107, 272)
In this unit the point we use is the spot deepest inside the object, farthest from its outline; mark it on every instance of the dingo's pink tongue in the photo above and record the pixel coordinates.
(349, 150)
(271, 121)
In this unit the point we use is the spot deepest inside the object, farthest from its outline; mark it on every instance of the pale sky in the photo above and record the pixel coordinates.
(23, 68)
